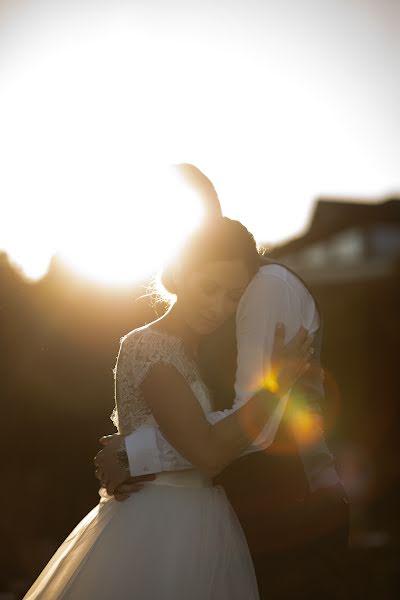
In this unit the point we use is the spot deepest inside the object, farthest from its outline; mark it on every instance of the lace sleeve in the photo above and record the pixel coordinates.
(140, 351)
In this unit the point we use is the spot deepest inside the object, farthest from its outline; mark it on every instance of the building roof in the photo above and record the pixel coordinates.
(332, 216)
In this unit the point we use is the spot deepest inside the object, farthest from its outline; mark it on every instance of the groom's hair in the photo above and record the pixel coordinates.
(219, 240)
(198, 183)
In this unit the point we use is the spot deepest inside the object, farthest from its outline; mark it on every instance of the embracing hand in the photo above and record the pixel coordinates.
(113, 474)
(289, 361)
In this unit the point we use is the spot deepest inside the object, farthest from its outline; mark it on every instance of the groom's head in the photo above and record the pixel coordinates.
(202, 187)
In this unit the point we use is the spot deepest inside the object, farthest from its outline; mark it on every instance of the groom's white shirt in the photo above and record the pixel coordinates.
(273, 295)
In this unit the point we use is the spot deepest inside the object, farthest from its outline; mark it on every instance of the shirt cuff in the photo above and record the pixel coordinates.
(142, 450)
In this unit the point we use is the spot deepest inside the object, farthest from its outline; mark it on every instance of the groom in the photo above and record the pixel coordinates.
(287, 494)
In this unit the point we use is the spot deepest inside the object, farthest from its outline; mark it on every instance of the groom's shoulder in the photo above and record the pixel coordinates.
(275, 283)
(273, 276)
(275, 270)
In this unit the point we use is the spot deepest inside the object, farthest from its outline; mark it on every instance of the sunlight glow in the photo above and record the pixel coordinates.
(92, 97)
(31, 266)
(83, 175)
(146, 229)
(306, 426)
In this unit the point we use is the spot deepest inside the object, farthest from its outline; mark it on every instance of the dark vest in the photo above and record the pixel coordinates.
(263, 487)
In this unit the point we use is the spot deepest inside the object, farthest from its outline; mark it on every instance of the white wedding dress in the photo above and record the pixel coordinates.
(177, 539)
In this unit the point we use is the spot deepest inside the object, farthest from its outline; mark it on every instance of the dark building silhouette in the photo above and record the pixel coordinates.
(350, 256)
(346, 241)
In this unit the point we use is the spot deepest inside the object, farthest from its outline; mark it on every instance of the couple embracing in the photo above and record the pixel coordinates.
(208, 491)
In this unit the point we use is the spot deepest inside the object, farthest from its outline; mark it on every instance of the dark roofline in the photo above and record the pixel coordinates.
(331, 216)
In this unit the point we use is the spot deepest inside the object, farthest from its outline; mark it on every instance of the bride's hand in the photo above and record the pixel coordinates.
(289, 361)
(131, 486)
(113, 474)
(110, 470)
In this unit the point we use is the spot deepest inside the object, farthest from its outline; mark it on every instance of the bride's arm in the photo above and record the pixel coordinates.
(185, 426)
(210, 447)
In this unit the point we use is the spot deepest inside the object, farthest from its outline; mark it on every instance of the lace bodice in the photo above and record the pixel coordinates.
(140, 350)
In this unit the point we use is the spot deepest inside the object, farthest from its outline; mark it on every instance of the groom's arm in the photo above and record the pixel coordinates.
(149, 451)
(285, 299)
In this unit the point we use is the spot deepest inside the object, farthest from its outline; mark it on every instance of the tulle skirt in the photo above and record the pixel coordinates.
(176, 539)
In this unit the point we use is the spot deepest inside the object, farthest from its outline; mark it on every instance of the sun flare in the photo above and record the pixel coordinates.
(83, 176)
(139, 235)
(91, 98)
(113, 239)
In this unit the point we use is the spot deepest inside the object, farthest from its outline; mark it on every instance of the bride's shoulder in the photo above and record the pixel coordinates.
(135, 333)
(149, 337)
(146, 346)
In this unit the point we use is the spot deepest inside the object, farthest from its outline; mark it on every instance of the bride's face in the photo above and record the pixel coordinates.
(209, 295)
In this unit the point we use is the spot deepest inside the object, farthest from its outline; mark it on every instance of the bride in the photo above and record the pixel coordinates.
(179, 539)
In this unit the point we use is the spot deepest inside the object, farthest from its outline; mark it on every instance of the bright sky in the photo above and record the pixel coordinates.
(277, 102)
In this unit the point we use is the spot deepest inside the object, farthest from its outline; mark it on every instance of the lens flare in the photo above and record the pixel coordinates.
(305, 425)
(270, 381)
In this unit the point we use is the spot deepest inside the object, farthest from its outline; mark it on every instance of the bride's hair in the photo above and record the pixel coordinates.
(221, 239)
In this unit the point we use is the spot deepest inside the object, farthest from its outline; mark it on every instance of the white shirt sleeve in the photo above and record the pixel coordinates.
(274, 295)
(142, 451)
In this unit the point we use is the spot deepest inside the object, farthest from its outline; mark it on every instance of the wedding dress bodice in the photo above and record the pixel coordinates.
(140, 350)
